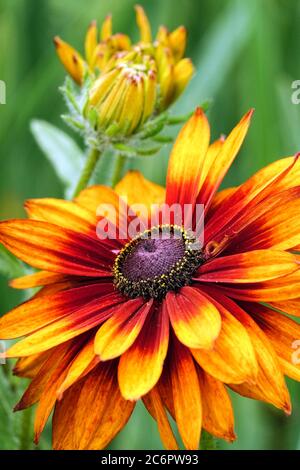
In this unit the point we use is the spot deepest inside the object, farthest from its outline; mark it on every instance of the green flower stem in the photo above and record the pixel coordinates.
(118, 169)
(91, 162)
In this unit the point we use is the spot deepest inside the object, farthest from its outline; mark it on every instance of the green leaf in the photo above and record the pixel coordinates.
(61, 150)
(10, 266)
(15, 431)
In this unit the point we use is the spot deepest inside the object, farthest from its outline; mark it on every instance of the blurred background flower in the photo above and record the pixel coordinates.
(246, 55)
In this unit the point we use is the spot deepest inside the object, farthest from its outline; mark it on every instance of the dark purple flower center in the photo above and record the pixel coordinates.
(158, 260)
(150, 258)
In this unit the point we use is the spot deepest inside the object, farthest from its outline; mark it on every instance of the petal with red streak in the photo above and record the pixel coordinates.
(252, 266)
(82, 319)
(283, 333)
(140, 367)
(217, 410)
(81, 429)
(222, 161)
(186, 160)
(49, 247)
(186, 395)
(154, 405)
(195, 320)
(117, 334)
(233, 359)
(245, 199)
(43, 310)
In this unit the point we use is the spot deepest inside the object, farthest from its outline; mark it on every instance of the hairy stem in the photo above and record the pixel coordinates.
(91, 162)
(118, 169)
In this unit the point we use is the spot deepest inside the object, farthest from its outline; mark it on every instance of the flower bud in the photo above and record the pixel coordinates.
(167, 50)
(124, 95)
(124, 88)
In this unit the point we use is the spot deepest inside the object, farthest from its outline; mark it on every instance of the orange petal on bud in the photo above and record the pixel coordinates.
(71, 59)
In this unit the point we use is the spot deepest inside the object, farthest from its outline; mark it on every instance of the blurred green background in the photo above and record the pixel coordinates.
(246, 54)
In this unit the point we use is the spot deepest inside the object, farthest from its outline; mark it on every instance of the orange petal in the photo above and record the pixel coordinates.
(140, 367)
(232, 360)
(49, 247)
(105, 202)
(277, 228)
(29, 366)
(73, 216)
(66, 214)
(136, 189)
(212, 152)
(217, 410)
(268, 388)
(84, 361)
(63, 419)
(186, 160)
(143, 24)
(48, 396)
(277, 290)
(219, 199)
(245, 201)
(41, 311)
(291, 307)
(60, 286)
(71, 59)
(153, 401)
(253, 218)
(269, 383)
(223, 160)
(42, 278)
(186, 395)
(252, 266)
(117, 334)
(195, 320)
(82, 319)
(99, 412)
(165, 390)
(93, 196)
(37, 386)
(283, 333)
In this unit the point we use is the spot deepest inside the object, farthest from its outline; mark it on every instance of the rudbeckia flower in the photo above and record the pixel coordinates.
(172, 71)
(162, 319)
